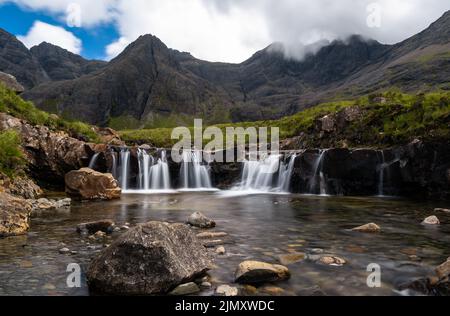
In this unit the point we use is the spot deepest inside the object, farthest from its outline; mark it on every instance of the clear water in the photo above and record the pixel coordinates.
(260, 227)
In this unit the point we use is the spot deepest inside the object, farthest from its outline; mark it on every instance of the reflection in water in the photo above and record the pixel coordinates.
(260, 227)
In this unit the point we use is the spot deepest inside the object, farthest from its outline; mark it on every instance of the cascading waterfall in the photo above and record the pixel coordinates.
(382, 168)
(194, 174)
(285, 174)
(318, 174)
(145, 162)
(269, 174)
(93, 161)
(159, 174)
(113, 170)
(124, 167)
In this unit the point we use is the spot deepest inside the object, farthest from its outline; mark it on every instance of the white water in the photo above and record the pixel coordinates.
(160, 175)
(124, 166)
(93, 161)
(318, 174)
(268, 175)
(194, 174)
(145, 162)
(114, 163)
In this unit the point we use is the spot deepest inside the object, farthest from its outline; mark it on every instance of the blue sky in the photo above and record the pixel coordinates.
(214, 30)
(18, 21)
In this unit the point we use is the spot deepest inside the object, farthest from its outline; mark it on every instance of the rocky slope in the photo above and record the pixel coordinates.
(152, 85)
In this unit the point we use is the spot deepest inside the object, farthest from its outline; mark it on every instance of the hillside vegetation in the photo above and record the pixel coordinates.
(389, 118)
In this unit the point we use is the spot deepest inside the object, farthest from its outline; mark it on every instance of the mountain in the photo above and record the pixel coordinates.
(151, 85)
(17, 60)
(60, 64)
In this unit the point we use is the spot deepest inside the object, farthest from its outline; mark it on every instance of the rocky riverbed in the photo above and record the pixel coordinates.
(311, 236)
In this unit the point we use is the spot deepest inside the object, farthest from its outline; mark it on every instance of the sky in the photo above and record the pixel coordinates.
(214, 30)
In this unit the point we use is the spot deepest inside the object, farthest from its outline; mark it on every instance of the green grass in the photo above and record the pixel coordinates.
(400, 119)
(14, 105)
(11, 156)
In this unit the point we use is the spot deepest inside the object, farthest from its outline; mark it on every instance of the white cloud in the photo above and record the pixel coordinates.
(115, 48)
(43, 32)
(232, 30)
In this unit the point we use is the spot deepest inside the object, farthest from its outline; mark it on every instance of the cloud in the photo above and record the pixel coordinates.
(232, 30)
(43, 32)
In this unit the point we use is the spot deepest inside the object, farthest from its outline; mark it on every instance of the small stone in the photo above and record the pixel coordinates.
(124, 227)
(74, 252)
(205, 285)
(333, 261)
(212, 243)
(49, 287)
(185, 289)
(316, 251)
(252, 272)
(444, 210)
(26, 264)
(116, 229)
(207, 235)
(220, 250)
(100, 234)
(227, 290)
(199, 220)
(64, 251)
(368, 228)
(105, 226)
(291, 258)
(431, 220)
(443, 270)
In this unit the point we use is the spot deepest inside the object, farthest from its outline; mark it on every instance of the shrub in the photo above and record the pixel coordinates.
(11, 156)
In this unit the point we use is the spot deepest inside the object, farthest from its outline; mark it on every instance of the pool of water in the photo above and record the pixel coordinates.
(260, 227)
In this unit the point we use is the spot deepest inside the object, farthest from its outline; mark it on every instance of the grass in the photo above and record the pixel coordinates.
(400, 119)
(11, 156)
(14, 105)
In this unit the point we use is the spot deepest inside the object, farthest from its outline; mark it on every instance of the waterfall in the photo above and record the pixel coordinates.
(269, 174)
(159, 174)
(145, 162)
(194, 174)
(93, 161)
(113, 170)
(318, 174)
(124, 166)
(285, 174)
(381, 167)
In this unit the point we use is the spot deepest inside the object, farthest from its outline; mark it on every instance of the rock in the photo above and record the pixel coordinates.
(212, 235)
(250, 290)
(124, 227)
(291, 258)
(443, 210)
(327, 123)
(443, 271)
(212, 243)
(220, 250)
(14, 215)
(431, 220)
(105, 226)
(227, 290)
(199, 220)
(150, 258)
(46, 205)
(185, 289)
(87, 184)
(272, 290)
(21, 186)
(206, 285)
(64, 251)
(368, 228)
(63, 203)
(253, 272)
(109, 136)
(11, 82)
(332, 261)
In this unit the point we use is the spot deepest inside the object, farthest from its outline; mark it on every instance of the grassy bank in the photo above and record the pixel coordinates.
(389, 118)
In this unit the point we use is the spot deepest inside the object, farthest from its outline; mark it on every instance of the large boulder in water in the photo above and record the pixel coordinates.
(14, 215)
(87, 184)
(151, 258)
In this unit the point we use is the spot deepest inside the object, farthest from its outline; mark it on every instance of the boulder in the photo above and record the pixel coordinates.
(105, 226)
(14, 215)
(368, 228)
(11, 82)
(431, 220)
(253, 272)
(443, 271)
(201, 221)
(87, 184)
(21, 186)
(150, 258)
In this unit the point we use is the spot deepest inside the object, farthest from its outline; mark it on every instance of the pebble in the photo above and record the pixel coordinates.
(220, 250)
(64, 251)
(205, 285)
(185, 289)
(125, 227)
(227, 290)
(431, 220)
(333, 261)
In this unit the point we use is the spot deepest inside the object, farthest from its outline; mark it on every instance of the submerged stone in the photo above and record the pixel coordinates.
(252, 272)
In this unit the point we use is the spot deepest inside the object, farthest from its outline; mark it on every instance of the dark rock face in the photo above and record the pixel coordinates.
(151, 258)
(21, 186)
(50, 155)
(14, 215)
(60, 64)
(17, 60)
